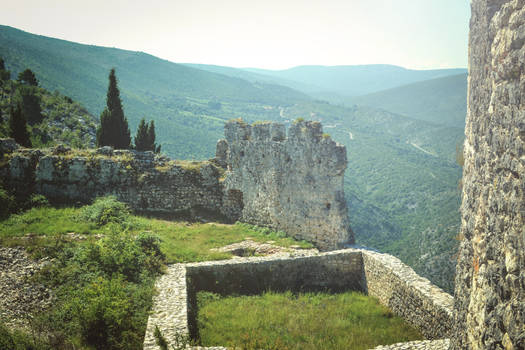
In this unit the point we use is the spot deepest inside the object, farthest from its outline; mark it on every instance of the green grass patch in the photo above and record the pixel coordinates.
(305, 321)
(180, 241)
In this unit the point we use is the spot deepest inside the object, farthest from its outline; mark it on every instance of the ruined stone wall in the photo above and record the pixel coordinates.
(396, 285)
(490, 275)
(146, 182)
(291, 183)
(425, 306)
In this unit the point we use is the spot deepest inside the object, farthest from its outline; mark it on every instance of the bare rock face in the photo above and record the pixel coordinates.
(490, 275)
(291, 183)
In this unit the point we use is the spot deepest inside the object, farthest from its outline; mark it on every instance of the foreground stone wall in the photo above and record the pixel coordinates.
(145, 181)
(490, 275)
(291, 183)
(408, 295)
(396, 285)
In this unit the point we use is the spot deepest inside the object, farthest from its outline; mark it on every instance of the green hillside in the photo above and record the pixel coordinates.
(63, 120)
(176, 96)
(354, 80)
(401, 181)
(441, 100)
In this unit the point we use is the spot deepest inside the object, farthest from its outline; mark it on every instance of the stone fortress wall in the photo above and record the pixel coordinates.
(259, 176)
(292, 183)
(490, 274)
(396, 285)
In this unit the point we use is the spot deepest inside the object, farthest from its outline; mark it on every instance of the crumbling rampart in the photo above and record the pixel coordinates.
(259, 176)
(146, 182)
(292, 183)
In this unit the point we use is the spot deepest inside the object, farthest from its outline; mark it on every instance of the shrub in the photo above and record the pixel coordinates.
(150, 246)
(7, 203)
(104, 210)
(18, 340)
(38, 200)
(105, 311)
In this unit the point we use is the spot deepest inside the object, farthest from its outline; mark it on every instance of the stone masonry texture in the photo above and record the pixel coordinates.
(490, 274)
(383, 276)
(292, 183)
(146, 182)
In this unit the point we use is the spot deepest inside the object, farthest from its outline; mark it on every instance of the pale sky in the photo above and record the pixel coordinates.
(273, 34)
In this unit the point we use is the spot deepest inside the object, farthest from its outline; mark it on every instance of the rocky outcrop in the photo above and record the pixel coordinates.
(291, 183)
(490, 275)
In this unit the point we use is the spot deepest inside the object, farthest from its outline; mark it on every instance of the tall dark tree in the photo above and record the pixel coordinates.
(145, 138)
(151, 138)
(28, 77)
(114, 129)
(142, 137)
(30, 104)
(4, 73)
(18, 126)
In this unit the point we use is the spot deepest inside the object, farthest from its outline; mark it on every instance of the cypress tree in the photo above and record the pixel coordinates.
(28, 77)
(114, 129)
(30, 103)
(142, 137)
(18, 126)
(151, 138)
(4, 74)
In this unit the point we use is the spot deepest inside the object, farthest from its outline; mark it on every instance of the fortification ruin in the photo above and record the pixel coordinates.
(259, 176)
(490, 274)
(383, 276)
(489, 304)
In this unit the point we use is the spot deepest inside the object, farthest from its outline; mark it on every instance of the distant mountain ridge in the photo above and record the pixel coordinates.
(355, 80)
(441, 100)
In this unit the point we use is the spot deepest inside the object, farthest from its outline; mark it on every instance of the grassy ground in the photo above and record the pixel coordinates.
(325, 321)
(104, 264)
(181, 241)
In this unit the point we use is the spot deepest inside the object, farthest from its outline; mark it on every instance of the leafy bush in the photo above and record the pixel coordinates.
(7, 203)
(106, 312)
(38, 200)
(104, 210)
(104, 291)
(18, 340)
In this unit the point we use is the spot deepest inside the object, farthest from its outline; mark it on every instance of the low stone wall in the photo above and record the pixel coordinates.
(396, 285)
(425, 306)
(146, 182)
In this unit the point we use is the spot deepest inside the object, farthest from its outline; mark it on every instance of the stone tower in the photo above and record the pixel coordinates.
(490, 275)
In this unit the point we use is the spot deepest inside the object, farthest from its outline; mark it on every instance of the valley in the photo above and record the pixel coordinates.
(401, 184)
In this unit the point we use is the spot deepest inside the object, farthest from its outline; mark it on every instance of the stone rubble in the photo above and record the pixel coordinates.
(20, 298)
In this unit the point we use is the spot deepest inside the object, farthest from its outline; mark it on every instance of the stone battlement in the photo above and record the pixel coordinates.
(292, 183)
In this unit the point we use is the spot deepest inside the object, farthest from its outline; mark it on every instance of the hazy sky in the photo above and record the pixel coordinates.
(272, 34)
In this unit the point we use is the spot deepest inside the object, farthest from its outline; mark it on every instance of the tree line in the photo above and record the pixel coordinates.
(113, 129)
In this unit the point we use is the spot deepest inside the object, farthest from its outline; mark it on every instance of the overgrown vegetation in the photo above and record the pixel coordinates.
(103, 283)
(285, 321)
(35, 117)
